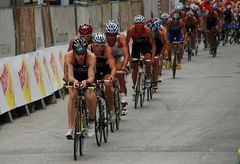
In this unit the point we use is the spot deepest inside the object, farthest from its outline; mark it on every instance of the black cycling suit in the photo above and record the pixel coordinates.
(102, 68)
(80, 72)
(140, 45)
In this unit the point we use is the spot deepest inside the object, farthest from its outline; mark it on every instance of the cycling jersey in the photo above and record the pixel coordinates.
(80, 72)
(211, 22)
(228, 16)
(140, 45)
(190, 25)
(102, 68)
(117, 52)
(174, 32)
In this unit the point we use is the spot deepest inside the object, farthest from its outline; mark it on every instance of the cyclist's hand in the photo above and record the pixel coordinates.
(75, 84)
(130, 59)
(112, 78)
(152, 60)
(124, 69)
(84, 84)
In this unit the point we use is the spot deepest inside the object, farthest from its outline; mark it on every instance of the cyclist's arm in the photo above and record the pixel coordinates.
(125, 50)
(91, 67)
(110, 60)
(150, 37)
(164, 39)
(128, 35)
(70, 67)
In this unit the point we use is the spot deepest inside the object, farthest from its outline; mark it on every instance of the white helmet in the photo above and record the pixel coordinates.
(139, 19)
(194, 7)
(111, 27)
(112, 21)
(99, 38)
(164, 16)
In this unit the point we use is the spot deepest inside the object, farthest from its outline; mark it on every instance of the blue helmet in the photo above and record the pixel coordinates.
(79, 46)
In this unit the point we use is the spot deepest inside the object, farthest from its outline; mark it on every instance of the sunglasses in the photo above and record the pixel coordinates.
(86, 36)
(99, 45)
(111, 35)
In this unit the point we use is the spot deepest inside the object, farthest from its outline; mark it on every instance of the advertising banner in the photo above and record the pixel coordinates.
(6, 88)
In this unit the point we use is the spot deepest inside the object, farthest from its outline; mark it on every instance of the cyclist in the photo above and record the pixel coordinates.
(211, 23)
(81, 65)
(118, 44)
(105, 67)
(228, 18)
(191, 23)
(143, 43)
(175, 28)
(159, 35)
(164, 17)
(85, 31)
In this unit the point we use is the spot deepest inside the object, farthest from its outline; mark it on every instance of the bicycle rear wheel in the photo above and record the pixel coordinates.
(76, 135)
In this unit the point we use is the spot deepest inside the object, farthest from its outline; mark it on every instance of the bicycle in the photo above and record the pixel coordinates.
(213, 43)
(80, 119)
(139, 86)
(117, 105)
(189, 45)
(176, 55)
(102, 114)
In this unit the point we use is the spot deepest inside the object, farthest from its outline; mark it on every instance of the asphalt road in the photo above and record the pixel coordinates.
(194, 119)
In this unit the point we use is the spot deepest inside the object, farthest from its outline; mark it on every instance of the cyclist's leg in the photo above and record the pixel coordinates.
(180, 47)
(135, 54)
(109, 93)
(91, 104)
(120, 77)
(169, 50)
(71, 110)
(134, 73)
(147, 56)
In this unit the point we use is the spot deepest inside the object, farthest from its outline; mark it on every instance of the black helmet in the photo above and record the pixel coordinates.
(79, 46)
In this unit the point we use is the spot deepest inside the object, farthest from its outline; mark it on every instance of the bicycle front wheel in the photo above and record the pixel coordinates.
(76, 134)
(98, 124)
(137, 90)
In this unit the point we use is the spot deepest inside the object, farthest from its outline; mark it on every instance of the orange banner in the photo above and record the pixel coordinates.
(39, 76)
(53, 64)
(24, 78)
(7, 86)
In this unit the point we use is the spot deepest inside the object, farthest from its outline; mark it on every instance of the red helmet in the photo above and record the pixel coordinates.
(85, 29)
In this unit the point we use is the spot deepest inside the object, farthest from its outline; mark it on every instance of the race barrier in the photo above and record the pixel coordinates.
(36, 72)
(30, 77)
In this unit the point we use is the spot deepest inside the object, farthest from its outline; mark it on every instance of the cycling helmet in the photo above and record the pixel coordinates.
(194, 7)
(113, 21)
(215, 6)
(149, 21)
(164, 16)
(229, 7)
(154, 28)
(79, 46)
(176, 16)
(85, 29)
(111, 28)
(99, 38)
(179, 7)
(186, 8)
(139, 19)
